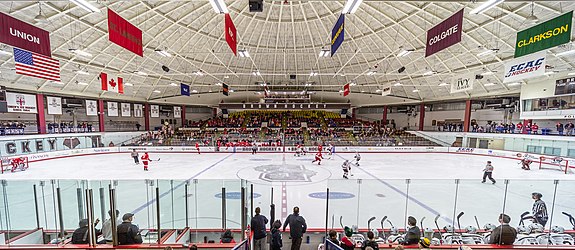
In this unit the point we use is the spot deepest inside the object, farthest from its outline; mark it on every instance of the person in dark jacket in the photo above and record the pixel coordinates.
(370, 242)
(297, 227)
(503, 234)
(258, 226)
(80, 235)
(413, 233)
(333, 237)
(128, 233)
(346, 242)
(276, 235)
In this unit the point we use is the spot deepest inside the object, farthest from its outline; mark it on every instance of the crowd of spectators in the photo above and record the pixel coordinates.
(69, 127)
(12, 128)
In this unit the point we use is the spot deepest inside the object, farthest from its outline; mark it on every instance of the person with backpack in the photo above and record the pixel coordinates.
(276, 235)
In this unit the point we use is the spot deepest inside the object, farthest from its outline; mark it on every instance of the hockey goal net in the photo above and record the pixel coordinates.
(555, 163)
(14, 164)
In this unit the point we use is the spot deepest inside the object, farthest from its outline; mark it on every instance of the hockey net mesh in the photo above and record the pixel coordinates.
(8, 166)
(555, 163)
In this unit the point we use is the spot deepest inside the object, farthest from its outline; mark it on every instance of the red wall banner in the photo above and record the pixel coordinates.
(444, 34)
(124, 33)
(23, 35)
(230, 30)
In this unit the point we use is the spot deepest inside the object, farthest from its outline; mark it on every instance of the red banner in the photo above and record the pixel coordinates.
(346, 90)
(23, 35)
(125, 34)
(445, 34)
(230, 30)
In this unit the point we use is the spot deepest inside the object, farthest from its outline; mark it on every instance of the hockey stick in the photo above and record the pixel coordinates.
(341, 222)
(477, 222)
(332, 219)
(437, 225)
(155, 160)
(571, 219)
(522, 218)
(382, 229)
(458, 224)
(421, 224)
(369, 222)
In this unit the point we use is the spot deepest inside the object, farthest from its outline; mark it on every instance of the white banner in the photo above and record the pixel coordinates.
(112, 109)
(177, 112)
(462, 83)
(386, 91)
(21, 103)
(138, 111)
(54, 105)
(154, 111)
(525, 67)
(126, 111)
(91, 108)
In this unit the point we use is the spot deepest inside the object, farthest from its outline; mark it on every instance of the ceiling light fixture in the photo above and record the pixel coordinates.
(405, 52)
(397, 84)
(488, 73)
(128, 84)
(244, 53)
(163, 53)
(564, 53)
(548, 73)
(353, 84)
(82, 72)
(174, 84)
(313, 74)
(514, 84)
(226, 77)
(415, 90)
(141, 73)
(85, 5)
(256, 73)
(40, 18)
(194, 91)
(351, 6)
(487, 52)
(443, 84)
(371, 73)
(199, 73)
(3, 52)
(489, 84)
(428, 73)
(80, 52)
(219, 6)
(532, 18)
(82, 83)
(157, 91)
(571, 74)
(486, 6)
(324, 53)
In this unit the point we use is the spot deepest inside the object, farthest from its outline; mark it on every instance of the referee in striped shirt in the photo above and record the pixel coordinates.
(539, 209)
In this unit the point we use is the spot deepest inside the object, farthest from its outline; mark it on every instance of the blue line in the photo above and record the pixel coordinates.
(421, 204)
(140, 208)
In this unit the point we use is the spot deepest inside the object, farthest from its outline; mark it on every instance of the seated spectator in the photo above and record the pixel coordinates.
(413, 233)
(503, 234)
(128, 233)
(227, 237)
(80, 235)
(370, 243)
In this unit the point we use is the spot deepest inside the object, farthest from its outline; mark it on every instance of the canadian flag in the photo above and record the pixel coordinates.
(112, 84)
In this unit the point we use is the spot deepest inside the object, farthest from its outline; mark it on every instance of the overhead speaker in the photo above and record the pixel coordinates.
(478, 77)
(165, 68)
(400, 70)
(256, 5)
(292, 77)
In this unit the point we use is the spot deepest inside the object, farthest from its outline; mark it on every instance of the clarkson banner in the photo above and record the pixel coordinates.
(525, 67)
(549, 34)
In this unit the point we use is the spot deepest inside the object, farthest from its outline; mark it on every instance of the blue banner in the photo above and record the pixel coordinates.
(185, 89)
(337, 34)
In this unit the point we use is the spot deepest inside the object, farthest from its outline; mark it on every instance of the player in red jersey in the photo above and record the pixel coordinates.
(198, 147)
(318, 158)
(145, 159)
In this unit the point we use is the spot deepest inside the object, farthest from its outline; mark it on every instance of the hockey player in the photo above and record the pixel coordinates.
(346, 167)
(487, 172)
(557, 160)
(145, 159)
(198, 147)
(525, 162)
(254, 148)
(135, 155)
(298, 150)
(18, 163)
(330, 150)
(318, 158)
(357, 157)
(320, 148)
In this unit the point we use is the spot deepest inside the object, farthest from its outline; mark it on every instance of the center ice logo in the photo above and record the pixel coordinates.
(285, 172)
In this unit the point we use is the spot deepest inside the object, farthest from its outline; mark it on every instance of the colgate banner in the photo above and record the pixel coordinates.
(125, 34)
(231, 37)
(445, 34)
(23, 35)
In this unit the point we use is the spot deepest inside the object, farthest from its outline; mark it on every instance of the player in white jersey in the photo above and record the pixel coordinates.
(346, 167)
(330, 150)
(526, 161)
(357, 157)
(298, 150)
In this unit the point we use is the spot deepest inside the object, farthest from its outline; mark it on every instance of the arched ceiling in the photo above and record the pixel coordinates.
(285, 39)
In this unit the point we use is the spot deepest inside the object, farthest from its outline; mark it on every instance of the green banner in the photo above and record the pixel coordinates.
(549, 34)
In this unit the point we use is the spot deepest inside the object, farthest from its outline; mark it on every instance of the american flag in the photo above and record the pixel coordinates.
(36, 65)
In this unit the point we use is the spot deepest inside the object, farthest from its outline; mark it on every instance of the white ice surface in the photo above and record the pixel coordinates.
(381, 191)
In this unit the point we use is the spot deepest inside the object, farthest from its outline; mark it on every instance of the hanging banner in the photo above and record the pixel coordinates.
(21, 103)
(138, 110)
(126, 111)
(444, 34)
(346, 90)
(112, 83)
(91, 108)
(154, 111)
(54, 105)
(177, 112)
(543, 36)
(525, 67)
(337, 34)
(225, 89)
(386, 91)
(125, 34)
(184, 89)
(462, 83)
(230, 30)
(112, 109)
(23, 35)
(565, 86)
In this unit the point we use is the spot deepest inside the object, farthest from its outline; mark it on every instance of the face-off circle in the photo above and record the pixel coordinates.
(285, 173)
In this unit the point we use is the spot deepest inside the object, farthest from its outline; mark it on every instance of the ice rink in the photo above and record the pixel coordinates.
(378, 188)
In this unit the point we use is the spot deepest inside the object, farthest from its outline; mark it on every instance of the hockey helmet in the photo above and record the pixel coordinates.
(536, 228)
(449, 229)
(489, 227)
(428, 230)
(435, 242)
(557, 229)
(471, 229)
(394, 231)
(523, 230)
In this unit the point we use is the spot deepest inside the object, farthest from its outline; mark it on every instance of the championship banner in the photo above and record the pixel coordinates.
(138, 110)
(225, 89)
(125, 34)
(525, 67)
(231, 35)
(21, 103)
(462, 83)
(126, 111)
(337, 34)
(386, 91)
(444, 34)
(185, 89)
(23, 35)
(112, 109)
(112, 83)
(177, 112)
(54, 105)
(543, 36)
(154, 111)
(346, 90)
(91, 108)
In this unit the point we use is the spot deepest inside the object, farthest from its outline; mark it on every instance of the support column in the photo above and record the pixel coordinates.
(147, 117)
(183, 116)
(384, 118)
(101, 115)
(421, 116)
(467, 117)
(41, 115)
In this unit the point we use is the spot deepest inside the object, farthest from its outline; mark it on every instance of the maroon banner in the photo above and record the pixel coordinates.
(23, 35)
(230, 30)
(125, 34)
(445, 34)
